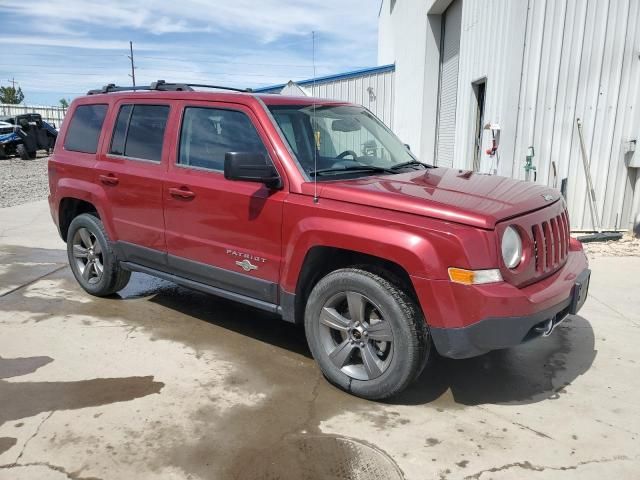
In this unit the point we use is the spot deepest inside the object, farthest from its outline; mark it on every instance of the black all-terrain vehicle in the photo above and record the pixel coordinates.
(23, 135)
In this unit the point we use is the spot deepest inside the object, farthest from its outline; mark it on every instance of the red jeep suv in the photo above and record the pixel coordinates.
(311, 209)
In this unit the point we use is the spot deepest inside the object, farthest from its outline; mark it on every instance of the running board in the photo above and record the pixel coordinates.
(219, 292)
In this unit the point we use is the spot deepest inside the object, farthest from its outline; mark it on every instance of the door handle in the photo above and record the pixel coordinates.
(110, 179)
(182, 193)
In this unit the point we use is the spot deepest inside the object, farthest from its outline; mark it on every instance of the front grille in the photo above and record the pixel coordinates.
(550, 242)
(4, 131)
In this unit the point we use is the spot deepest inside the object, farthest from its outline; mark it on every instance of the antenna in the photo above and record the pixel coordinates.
(313, 122)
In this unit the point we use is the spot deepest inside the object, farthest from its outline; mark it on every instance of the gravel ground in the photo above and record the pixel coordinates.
(23, 181)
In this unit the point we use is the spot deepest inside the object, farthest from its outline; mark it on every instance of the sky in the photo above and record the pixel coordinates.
(61, 48)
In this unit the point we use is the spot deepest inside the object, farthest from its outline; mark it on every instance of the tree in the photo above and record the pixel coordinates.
(11, 95)
(64, 103)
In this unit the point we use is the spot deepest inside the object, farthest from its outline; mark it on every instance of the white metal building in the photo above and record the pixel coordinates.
(371, 87)
(532, 67)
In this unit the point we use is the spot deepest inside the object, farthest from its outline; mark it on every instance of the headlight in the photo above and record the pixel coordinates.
(511, 247)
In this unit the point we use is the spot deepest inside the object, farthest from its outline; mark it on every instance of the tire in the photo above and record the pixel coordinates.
(21, 151)
(89, 250)
(377, 357)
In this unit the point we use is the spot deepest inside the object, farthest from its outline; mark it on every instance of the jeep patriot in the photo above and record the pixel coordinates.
(313, 210)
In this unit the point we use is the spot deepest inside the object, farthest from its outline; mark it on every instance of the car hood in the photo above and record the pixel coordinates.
(449, 194)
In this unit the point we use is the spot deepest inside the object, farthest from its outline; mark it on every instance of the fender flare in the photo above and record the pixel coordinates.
(88, 192)
(412, 252)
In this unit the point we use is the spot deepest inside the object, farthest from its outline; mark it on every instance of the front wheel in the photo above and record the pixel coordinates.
(367, 335)
(92, 259)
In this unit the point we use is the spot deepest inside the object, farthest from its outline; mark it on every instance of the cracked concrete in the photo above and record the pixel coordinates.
(541, 468)
(162, 382)
(41, 470)
(35, 434)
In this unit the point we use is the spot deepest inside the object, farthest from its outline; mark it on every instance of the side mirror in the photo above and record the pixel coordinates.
(251, 167)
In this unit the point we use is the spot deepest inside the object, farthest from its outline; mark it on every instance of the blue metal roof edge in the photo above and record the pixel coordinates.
(337, 76)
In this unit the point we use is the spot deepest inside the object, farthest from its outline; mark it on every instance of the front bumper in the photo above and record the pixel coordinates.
(466, 321)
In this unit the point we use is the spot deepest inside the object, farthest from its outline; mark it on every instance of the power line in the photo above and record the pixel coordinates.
(218, 62)
(62, 73)
(182, 60)
(296, 65)
(22, 54)
(159, 71)
(49, 66)
(137, 67)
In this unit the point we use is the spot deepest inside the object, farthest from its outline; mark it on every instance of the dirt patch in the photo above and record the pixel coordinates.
(6, 443)
(15, 367)
(26, 399)
(627, 246)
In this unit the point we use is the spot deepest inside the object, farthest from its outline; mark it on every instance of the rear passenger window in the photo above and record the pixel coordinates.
(139, 131)
(84, 129)
(207, 134)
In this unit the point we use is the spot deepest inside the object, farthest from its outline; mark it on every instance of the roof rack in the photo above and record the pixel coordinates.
(162, 86)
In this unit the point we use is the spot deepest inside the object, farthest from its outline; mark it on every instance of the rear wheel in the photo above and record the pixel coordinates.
(22, 152)
(92, 259)
(367, 335)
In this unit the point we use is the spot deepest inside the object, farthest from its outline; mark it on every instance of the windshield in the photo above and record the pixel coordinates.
(338, 140)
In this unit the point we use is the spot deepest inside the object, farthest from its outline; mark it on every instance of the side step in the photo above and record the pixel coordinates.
(219, 292)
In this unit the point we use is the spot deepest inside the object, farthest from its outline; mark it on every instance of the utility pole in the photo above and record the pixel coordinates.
(133, 68)
(13, 82)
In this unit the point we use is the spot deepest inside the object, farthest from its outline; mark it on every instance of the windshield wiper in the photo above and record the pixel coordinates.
(410, 163)
(351, 169)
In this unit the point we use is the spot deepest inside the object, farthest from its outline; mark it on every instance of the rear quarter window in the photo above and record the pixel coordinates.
(84, 129)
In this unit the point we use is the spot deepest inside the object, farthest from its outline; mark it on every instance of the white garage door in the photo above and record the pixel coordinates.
(450, 51)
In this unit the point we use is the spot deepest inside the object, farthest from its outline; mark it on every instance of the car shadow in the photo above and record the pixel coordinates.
(535, 371)
(538, 370)
(232, 316)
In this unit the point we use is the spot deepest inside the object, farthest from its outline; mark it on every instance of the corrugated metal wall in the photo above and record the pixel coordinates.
(374, 91)
(582, 60)
(546, 63)
(53, 115)
(356, 89)
(491, 48)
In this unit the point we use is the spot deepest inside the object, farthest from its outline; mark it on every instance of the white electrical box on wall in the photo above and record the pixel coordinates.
(631, 157)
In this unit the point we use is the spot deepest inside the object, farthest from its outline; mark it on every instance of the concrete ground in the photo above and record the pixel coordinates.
(162, 382)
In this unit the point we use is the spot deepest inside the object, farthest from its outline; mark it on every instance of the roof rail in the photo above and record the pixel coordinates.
(163, 86)
(112, 87)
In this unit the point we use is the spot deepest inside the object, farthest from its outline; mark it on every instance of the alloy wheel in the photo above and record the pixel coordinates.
(87, 254)
(356, 336)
